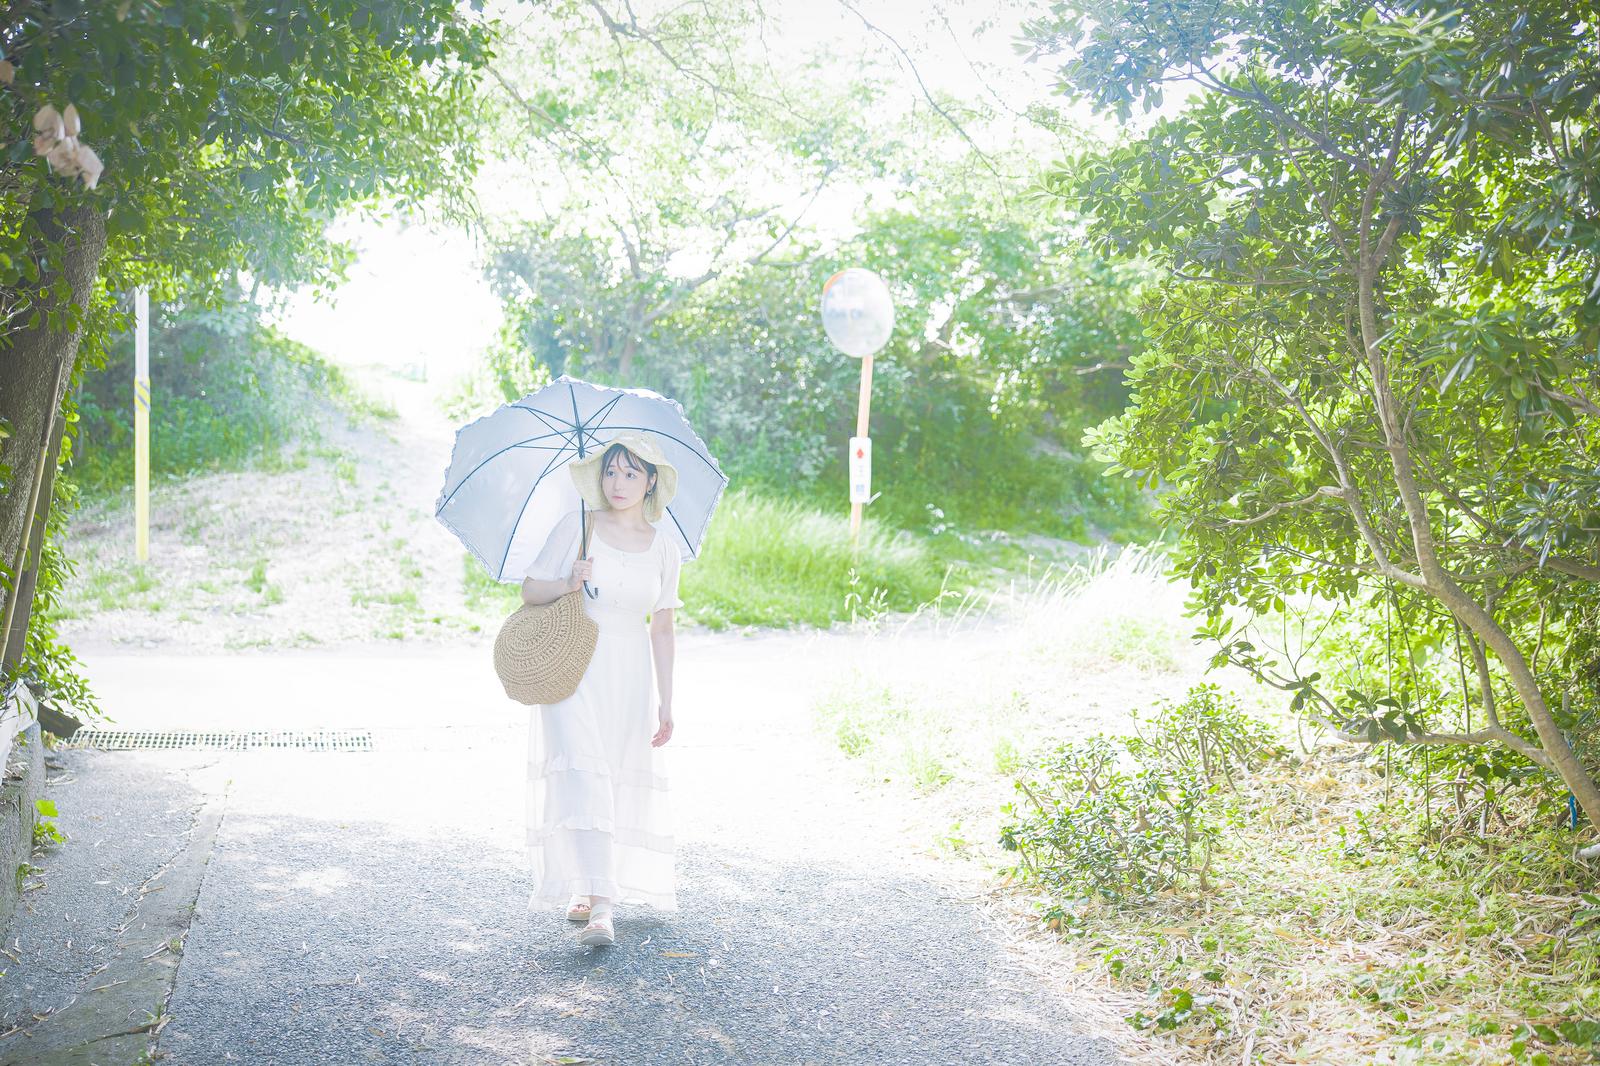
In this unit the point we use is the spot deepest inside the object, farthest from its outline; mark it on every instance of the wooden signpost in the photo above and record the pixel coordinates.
(858, 316)
(141, 424)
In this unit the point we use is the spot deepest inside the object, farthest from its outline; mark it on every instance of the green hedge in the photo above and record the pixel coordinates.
(227, 390)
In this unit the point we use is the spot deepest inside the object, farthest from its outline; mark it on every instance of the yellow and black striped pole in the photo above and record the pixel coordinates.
(141, 423)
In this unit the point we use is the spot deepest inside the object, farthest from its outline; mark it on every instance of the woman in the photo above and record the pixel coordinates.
(598, 825)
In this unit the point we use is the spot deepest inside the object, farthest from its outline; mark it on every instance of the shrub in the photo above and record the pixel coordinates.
(1206, 733)
(228, 391)
(1126, 817)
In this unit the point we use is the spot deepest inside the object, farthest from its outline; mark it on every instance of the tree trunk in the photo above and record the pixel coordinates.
(14, 640)
(625, 361)
(1551, 738)
(1435, 579)
(1438, 581)
(36, 368)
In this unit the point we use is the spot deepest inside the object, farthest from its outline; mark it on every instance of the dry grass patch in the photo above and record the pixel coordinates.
(1336, 931)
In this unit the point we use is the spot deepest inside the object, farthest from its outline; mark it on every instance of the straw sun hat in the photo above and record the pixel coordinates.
(586, 474)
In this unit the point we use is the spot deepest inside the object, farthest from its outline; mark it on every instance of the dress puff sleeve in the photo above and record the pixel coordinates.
(560, 551)
(670, 563)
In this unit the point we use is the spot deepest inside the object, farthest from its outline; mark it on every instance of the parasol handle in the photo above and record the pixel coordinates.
(583, 548)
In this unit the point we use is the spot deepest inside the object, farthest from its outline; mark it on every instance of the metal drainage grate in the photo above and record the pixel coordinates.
(221, 739)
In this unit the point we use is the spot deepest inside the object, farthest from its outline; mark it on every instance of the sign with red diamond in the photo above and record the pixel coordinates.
(860, 469)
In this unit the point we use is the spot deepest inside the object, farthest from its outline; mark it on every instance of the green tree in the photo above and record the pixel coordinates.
(1373, 351)
(228, 133)
(667, 153)
(1008, 341)
(695, 192)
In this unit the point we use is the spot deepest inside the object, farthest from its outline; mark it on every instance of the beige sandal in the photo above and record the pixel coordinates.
(599, 932)
(578, 910)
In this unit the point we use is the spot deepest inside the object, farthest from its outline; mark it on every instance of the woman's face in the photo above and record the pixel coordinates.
(624, 484)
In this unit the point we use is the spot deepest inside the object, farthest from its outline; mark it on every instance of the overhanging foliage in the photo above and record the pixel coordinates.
(1374, 354)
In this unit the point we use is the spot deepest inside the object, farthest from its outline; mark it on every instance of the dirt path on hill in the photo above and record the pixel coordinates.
(334, 544)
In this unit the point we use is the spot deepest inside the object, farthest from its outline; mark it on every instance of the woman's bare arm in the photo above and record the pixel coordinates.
(663, 645)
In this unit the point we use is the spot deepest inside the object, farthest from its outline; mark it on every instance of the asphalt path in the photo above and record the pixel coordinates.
(370, 907)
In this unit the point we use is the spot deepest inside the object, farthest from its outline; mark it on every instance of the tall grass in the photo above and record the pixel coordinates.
(1102, 613)
(768, 561)
(774, 562)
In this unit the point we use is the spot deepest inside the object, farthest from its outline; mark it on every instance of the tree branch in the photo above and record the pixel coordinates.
(1278, 508)
(1112, 364)
(1280, 114)
(1580, 402)
(926, 93)
(1347, 482)
(711, 273)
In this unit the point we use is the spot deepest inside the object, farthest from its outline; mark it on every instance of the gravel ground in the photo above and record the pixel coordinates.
(370, 907)
(383, 939)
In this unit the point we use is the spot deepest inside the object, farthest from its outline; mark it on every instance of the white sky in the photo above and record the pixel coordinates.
(417, 295)
(414, 296)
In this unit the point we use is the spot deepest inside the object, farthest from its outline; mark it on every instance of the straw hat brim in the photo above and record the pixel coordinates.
(586, 475)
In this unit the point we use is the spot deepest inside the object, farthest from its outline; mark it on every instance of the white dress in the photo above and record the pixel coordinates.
(598, 820)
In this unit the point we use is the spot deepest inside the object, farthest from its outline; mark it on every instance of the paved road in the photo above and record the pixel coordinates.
(369, 907)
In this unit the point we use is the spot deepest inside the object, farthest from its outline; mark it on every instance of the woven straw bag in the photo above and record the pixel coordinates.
(542, 651)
